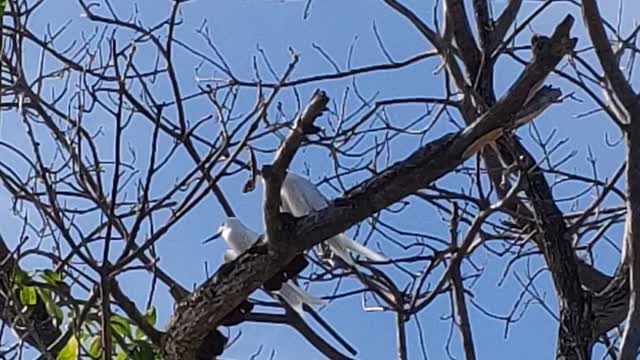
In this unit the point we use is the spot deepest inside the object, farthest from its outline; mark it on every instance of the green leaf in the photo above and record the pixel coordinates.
(150, 315)
(121, 356)
(20, 277)
(70, 350)
(28, 295)
(139, 335)
(2, 4)
(95, 347)
(51, 277)
(121, 326)
(143, 351)
(52, 308)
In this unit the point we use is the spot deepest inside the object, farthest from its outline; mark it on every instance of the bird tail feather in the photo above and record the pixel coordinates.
(295, 297)
(344, 242)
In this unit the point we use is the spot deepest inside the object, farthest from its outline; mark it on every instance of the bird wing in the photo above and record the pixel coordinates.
(300, 196)
(237, 236)
(284, 205)
(248, 238)
(229, 255)
(342, 242)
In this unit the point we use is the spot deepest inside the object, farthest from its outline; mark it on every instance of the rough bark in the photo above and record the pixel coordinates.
(625, 100)
(202, 311)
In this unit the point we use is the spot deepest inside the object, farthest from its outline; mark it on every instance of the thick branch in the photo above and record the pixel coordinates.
(612, 72)
(457, 19)
(610, 294)
(203, 310)
(274, 175)
(503, 23)
(574, 333)
(623, 92)
(631, 246)
(484, 24)
(611, 304)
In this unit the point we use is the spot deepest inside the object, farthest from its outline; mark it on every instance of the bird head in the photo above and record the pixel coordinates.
(236, 234)
(224, 230)
(234, 223)
(229, 225)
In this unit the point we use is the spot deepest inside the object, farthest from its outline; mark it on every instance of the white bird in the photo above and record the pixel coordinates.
(300, 197)
(239, 238)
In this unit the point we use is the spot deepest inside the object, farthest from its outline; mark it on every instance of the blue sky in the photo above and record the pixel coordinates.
(238, 28)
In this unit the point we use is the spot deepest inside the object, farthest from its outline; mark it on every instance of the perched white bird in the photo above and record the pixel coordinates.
(301, 197)
(239, 238)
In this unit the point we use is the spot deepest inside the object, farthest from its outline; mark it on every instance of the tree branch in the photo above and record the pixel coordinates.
(504, 22)
(622, 91)
(457, 290)
(206, 307)
(274, 174)
(621, 87)
(468, 49)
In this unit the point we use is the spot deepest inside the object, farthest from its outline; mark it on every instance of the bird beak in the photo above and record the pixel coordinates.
(212, 238)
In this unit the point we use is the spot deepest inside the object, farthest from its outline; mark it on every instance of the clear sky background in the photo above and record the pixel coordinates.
(238, 27)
